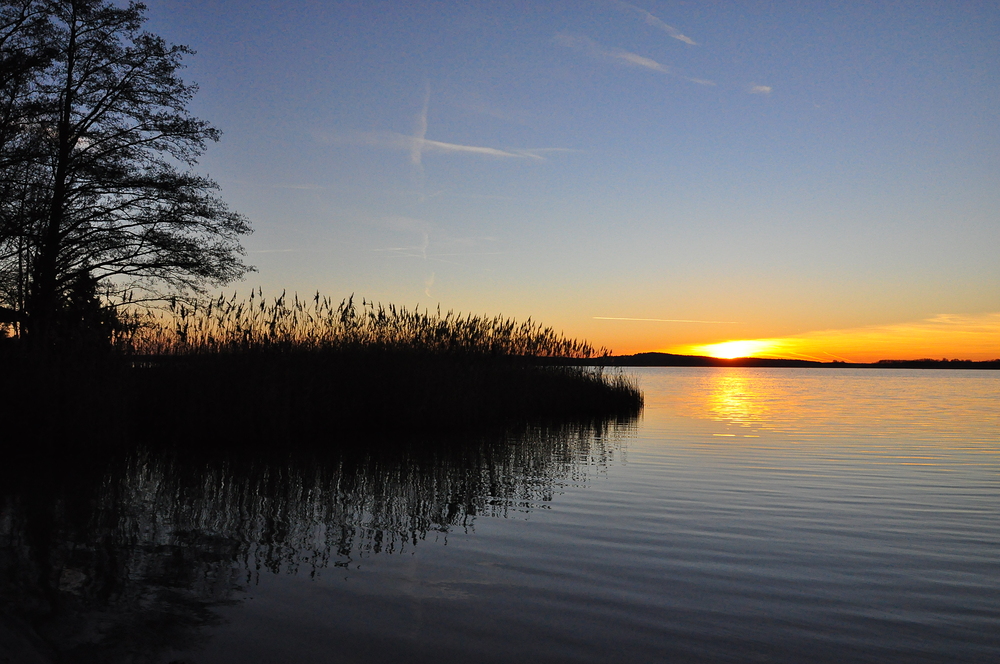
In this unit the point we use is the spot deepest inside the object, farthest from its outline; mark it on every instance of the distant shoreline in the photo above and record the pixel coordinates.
(671, 360)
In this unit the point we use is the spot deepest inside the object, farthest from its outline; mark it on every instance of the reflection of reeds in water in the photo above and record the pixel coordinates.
(321, 514)
(164, 537)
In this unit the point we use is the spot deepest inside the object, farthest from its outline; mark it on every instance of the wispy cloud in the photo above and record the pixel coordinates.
(427, 235)
(654, 21)
(410, 226)
(420, 131)
(670, 320)
(760, 89)
(595, 50)
(427, 145)
(592, 48)
(637, 60)
(539, 153)
(417, 146)
(305, 187)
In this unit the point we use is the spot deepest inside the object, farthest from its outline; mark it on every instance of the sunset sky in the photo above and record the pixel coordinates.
(822, 178)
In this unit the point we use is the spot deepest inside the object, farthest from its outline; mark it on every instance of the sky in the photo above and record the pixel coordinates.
(820, 178)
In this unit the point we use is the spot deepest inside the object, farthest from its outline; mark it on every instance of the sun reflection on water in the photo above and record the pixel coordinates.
(940, 408)
(733, 397)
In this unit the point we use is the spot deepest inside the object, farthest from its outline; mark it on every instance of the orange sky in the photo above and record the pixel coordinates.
(951, 336)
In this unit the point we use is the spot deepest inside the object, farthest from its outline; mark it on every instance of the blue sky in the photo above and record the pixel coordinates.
(778, 168)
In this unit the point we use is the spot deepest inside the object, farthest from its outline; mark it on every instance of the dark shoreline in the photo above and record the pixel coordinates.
(308, 398)
(671, 360)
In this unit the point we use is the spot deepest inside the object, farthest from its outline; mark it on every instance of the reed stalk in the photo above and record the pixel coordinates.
(292, 324)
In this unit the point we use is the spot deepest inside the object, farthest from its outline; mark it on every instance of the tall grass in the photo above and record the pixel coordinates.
(257, 371)
(284, 324)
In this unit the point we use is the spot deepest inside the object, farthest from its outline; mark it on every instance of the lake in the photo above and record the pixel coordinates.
(749, 515)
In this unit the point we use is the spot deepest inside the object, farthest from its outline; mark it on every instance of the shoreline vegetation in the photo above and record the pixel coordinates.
(265, 372)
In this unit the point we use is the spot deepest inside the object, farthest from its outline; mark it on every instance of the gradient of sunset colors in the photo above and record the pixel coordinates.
(975, 335)
(816, 180)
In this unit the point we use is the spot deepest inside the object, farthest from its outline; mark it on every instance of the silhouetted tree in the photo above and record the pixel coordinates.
(25, 53)
(95, 146)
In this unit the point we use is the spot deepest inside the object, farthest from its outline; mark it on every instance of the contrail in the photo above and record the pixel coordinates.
(655, 22)
(671, 320)
(419, 136)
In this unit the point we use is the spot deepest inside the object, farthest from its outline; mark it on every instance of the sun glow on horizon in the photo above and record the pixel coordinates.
(728, 350)
(975, 337)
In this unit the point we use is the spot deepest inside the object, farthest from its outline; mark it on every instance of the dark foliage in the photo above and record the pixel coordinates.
(309, 399)
(95, 138)
(253, 374)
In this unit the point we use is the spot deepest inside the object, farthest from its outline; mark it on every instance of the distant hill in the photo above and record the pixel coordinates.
(671, 360)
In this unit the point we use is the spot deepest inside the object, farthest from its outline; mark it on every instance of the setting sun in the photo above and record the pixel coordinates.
(967, 337)
(730, 349)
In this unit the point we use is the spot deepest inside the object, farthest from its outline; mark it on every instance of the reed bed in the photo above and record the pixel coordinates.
(291, 324)
(285, 370)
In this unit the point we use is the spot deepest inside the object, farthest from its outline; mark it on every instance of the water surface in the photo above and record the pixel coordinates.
(751, 515)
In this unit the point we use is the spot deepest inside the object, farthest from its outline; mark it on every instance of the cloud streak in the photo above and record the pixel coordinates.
(417, 146)
(420, 132)
(760, 89)
(653, 21)
(430, 235)
(670, 320)
(593, 49)
(428, 145)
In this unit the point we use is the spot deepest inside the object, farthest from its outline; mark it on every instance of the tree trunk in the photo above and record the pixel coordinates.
(43, 302)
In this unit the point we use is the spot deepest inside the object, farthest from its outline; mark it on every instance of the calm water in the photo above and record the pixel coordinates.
(751, 515)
